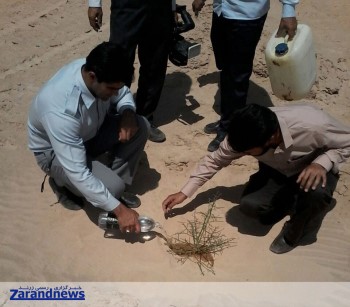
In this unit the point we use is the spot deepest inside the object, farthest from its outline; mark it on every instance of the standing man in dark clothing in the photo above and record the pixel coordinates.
(235, 32)
(146, 25)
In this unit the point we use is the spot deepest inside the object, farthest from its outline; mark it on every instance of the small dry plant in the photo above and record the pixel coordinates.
(200, 241)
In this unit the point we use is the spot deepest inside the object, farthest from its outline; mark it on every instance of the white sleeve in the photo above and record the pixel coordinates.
(124, 100)
(95, 3)
(288, 9)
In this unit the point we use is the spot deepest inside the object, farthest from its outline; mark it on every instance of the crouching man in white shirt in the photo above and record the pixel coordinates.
(82, 112)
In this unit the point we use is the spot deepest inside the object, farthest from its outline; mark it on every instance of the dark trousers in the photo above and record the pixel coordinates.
(234, 43)
(146, 25)
(270, 196)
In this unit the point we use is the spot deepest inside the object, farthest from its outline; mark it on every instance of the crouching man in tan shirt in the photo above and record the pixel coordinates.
(299, 149)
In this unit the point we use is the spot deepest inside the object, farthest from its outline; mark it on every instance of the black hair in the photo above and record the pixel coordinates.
(251, 126)
(110, 63)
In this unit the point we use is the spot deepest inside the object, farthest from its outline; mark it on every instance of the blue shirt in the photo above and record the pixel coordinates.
(250, 9)
(63, 116)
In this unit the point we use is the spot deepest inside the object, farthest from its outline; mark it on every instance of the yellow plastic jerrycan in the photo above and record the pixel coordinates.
(291, 64)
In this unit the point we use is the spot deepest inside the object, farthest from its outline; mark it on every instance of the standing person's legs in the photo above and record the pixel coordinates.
(148, 26)
(234, 43)
(127, 21)
(153, 52)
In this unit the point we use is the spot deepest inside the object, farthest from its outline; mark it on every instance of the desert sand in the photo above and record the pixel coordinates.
(42, 242)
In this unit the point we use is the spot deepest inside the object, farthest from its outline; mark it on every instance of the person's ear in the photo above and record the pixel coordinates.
(275, 138)
(92, 75)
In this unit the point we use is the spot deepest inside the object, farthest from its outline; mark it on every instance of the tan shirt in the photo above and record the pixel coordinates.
(309, 136)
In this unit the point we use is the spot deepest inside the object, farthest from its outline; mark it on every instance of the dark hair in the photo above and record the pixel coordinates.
(251, 126)
(110, 63)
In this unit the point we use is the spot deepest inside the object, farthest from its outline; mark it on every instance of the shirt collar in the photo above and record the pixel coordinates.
(86, 95)
(286, 136)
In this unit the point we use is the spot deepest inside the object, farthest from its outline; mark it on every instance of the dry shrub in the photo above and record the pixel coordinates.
(200, 240)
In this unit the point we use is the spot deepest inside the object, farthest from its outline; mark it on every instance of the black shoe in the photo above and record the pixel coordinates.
(130, 200)
(66, 198)
(156, 135)
(214, 144)
(212, 127)
(280, 245)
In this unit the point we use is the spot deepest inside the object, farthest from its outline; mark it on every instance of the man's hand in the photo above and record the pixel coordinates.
(95, 17)
(127, 219)
(128, 126)
(288, 25)
(197, 6)
(312, 176)
(173, 200)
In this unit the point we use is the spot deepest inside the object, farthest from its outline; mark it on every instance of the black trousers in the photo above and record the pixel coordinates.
(146, 25)
(234, 43)
(270, 196)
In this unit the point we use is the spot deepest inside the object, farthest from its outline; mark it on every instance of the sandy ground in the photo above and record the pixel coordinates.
(41, 241)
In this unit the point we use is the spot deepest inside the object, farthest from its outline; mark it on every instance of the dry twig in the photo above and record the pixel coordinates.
(200, 241)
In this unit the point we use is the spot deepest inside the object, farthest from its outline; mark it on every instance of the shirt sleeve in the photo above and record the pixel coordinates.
(288, 8)
(335, 138)
(209, 166)
(124, 100)
(63, 132)
(95, 3)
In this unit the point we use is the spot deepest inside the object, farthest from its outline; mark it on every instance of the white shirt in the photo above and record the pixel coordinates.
(250, 9)
(63, 116)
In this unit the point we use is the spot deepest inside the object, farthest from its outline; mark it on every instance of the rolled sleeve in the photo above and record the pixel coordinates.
(124, 100)
(324, 161)
(189, 189)
(209, 166)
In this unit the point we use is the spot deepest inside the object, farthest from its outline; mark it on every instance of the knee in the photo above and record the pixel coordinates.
(314, 201)
(250, 206)
(116, 187)
(266, 213)
(320, 196)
